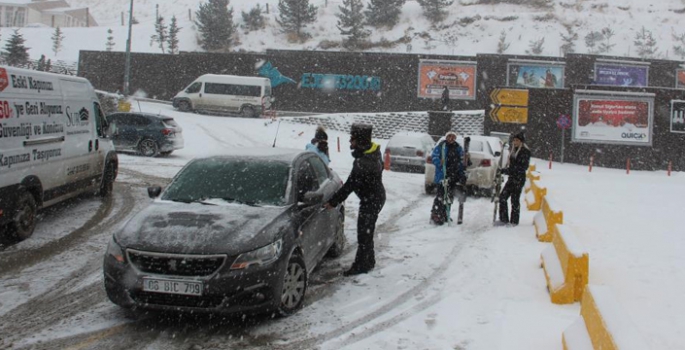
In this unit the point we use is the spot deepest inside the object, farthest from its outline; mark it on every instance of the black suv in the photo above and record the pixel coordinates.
(144, 133)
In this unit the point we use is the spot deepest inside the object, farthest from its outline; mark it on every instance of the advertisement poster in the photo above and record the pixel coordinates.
(535, 76)
(459, 77)
(621, 75)
(680, 78)
(678, 116)
(613, 120)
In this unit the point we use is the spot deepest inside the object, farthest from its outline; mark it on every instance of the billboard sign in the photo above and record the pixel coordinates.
(680, 78)
(621, 75)
(678, 116)
(613, 120)
(459, 77)
(530, 75)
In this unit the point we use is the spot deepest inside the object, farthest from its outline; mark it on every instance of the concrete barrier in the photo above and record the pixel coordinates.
(601, 325)
(533, 197)
(545, 220)
(566, 264)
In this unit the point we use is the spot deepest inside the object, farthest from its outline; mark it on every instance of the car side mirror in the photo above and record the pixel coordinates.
(154, 191)
(311, 198)
(498, 153)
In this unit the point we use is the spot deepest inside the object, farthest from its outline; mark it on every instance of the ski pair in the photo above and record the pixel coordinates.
(446, 190)
(498, 180)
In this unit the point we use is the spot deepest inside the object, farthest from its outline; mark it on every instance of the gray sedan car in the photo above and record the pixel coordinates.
(235, 234)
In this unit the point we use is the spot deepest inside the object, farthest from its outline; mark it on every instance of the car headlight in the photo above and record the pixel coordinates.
(262, 256)
(114, 250)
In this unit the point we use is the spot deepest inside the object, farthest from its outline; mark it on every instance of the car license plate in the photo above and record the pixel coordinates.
(158, 285)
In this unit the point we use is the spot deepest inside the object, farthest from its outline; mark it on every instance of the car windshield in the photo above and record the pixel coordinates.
(255, 182)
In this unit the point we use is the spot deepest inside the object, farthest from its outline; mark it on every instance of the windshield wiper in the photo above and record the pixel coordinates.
(199, 200)
(250, 203)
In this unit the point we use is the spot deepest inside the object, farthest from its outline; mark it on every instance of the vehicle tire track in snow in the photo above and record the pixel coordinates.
(146, 178)
(58, 302)
(16, 260)
(469, 234)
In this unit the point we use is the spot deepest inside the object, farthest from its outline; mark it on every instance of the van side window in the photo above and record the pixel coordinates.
(194, 88)
(231, 89)
(100, 121)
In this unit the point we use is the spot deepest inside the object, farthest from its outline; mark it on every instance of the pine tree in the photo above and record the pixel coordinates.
(536, 47)
(645, 44)
(606, 46)
(591, 41)
(57, 38)
(294, 15)
(434, 10)
(15, 52)
(161, 35)
(351, 23)
(679, 49)
(172, 39)
(569, 41)
(215, 24)
(502, 44)
(109, 45)
(384, 13)
(254, 20)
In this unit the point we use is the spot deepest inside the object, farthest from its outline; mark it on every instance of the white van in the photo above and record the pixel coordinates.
(53, 145)
(226, 93)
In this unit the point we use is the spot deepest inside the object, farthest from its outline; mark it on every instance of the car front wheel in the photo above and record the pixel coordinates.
(248, 112)
(184, 106)
(294, 286)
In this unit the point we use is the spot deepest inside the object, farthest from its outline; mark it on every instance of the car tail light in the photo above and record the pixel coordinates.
(429, 159)
(167, 131)
(419, 153)
(485, 162)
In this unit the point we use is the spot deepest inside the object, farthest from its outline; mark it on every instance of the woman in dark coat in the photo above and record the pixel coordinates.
(519, 159)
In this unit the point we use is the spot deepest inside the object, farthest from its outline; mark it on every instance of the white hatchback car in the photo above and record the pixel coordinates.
(485, 152)
(408, 151)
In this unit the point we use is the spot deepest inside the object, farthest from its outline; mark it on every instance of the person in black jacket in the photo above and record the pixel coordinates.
(519, 159)
(445, 99)
(365, 181)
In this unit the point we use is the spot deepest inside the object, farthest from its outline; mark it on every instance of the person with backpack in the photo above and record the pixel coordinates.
(450, 172)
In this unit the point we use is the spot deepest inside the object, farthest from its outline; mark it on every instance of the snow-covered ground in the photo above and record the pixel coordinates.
(468, 29)
(475, 286)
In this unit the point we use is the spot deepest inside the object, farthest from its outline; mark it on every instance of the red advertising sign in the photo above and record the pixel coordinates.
(459, 77)
(613, 120)
(4, 79)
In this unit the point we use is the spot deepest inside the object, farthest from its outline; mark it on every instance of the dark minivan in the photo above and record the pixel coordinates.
(145, 133)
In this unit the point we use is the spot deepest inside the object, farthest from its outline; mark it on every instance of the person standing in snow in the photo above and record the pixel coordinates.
(449, 155)
(366, 182)
(319, 144)
(445, 98)
(519, 159)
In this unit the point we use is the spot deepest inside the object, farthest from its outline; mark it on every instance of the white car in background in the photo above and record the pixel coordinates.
(408, 151)
(485, 152)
